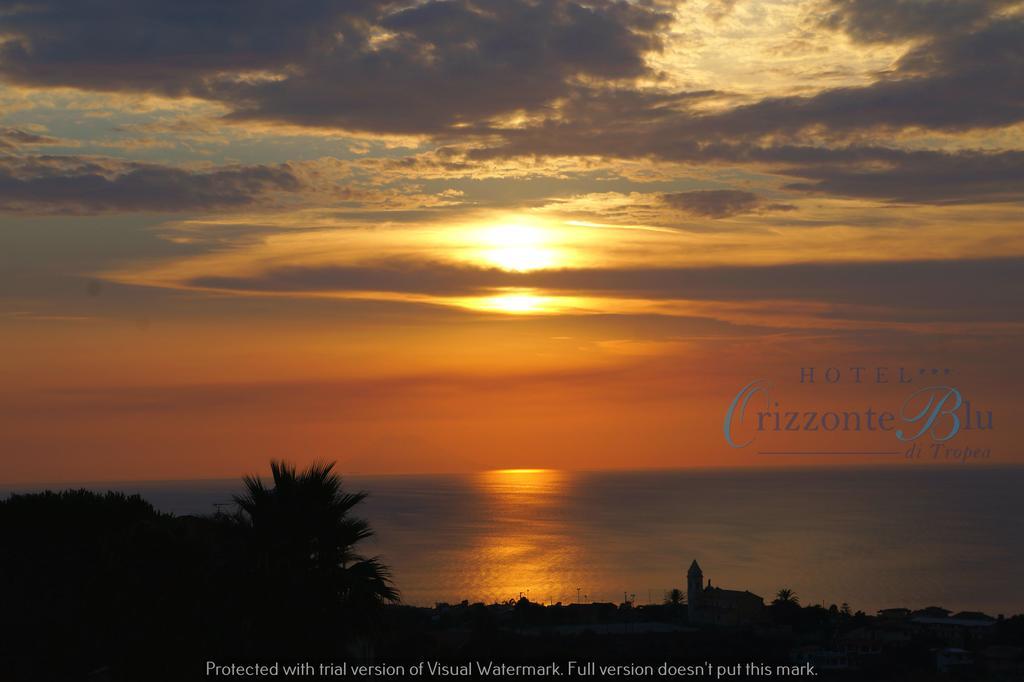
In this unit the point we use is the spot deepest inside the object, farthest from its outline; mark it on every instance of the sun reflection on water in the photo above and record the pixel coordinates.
(527, 486)
(530, 551)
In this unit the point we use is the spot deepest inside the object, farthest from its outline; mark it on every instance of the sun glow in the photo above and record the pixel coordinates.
(522, 486)
(519, 471)
(518, 247)
(520, 302)
(517, 303)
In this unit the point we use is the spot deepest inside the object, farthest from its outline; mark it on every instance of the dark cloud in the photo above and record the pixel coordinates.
(12, 138)
(873, 21)
(720, 203)
(400, 275)
(376, 66)
(372, 64)
(68, 184)
(156, 46)
(457, 62)
(939, 85)
(985, 289)
(919, 177)
(874, 172)
(451, 68)
(713, 203)
(965, 78)
(957, 83)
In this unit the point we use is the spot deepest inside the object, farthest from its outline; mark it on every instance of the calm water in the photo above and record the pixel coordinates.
(873, 538)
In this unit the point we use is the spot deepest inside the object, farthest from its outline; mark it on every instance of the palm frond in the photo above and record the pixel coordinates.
(305, 530)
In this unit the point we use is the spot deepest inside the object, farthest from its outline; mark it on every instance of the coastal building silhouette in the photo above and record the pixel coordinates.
(716, 606)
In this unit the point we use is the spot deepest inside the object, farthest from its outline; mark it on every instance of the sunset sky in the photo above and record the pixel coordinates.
(456, 235)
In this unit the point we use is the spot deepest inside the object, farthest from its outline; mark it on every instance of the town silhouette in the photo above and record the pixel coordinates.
(105, 587)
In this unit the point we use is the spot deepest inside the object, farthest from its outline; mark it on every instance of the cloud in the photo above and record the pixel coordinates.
(397, 276)
(73, 184)
(919, 177)
(975, 289)
(857, 170)
(876, 21)
(720, 203)
(13, 138)
(460, 65)
(936, 86)
(969, 77)
(713, 203)
(355, 65)
(456, 63)
(491, 79)
(719, 9)
(153, 46)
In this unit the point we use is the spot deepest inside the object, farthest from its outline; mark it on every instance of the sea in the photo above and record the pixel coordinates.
(871, 538)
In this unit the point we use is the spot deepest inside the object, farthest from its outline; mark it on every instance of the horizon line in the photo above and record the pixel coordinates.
(751, 468)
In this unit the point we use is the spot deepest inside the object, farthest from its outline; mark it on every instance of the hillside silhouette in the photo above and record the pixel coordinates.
(104, 585)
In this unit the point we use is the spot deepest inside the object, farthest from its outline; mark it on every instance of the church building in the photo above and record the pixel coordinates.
(709, 605)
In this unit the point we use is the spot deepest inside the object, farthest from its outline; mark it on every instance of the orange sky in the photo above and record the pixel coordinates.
(485, 243)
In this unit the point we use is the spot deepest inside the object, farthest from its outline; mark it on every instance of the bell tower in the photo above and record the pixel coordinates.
(694, 587)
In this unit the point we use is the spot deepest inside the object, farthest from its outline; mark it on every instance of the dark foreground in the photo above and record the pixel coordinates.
(104, 587)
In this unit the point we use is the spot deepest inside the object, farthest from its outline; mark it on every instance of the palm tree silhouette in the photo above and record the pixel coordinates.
(306, 537)
(786, 596)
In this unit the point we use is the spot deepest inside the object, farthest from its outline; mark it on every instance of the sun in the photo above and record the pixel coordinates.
(515, 303)
(517, 247)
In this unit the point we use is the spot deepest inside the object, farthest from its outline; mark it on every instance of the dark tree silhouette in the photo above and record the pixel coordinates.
(786, 596)
(108, 586)
(675, 597)
(306, 535)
